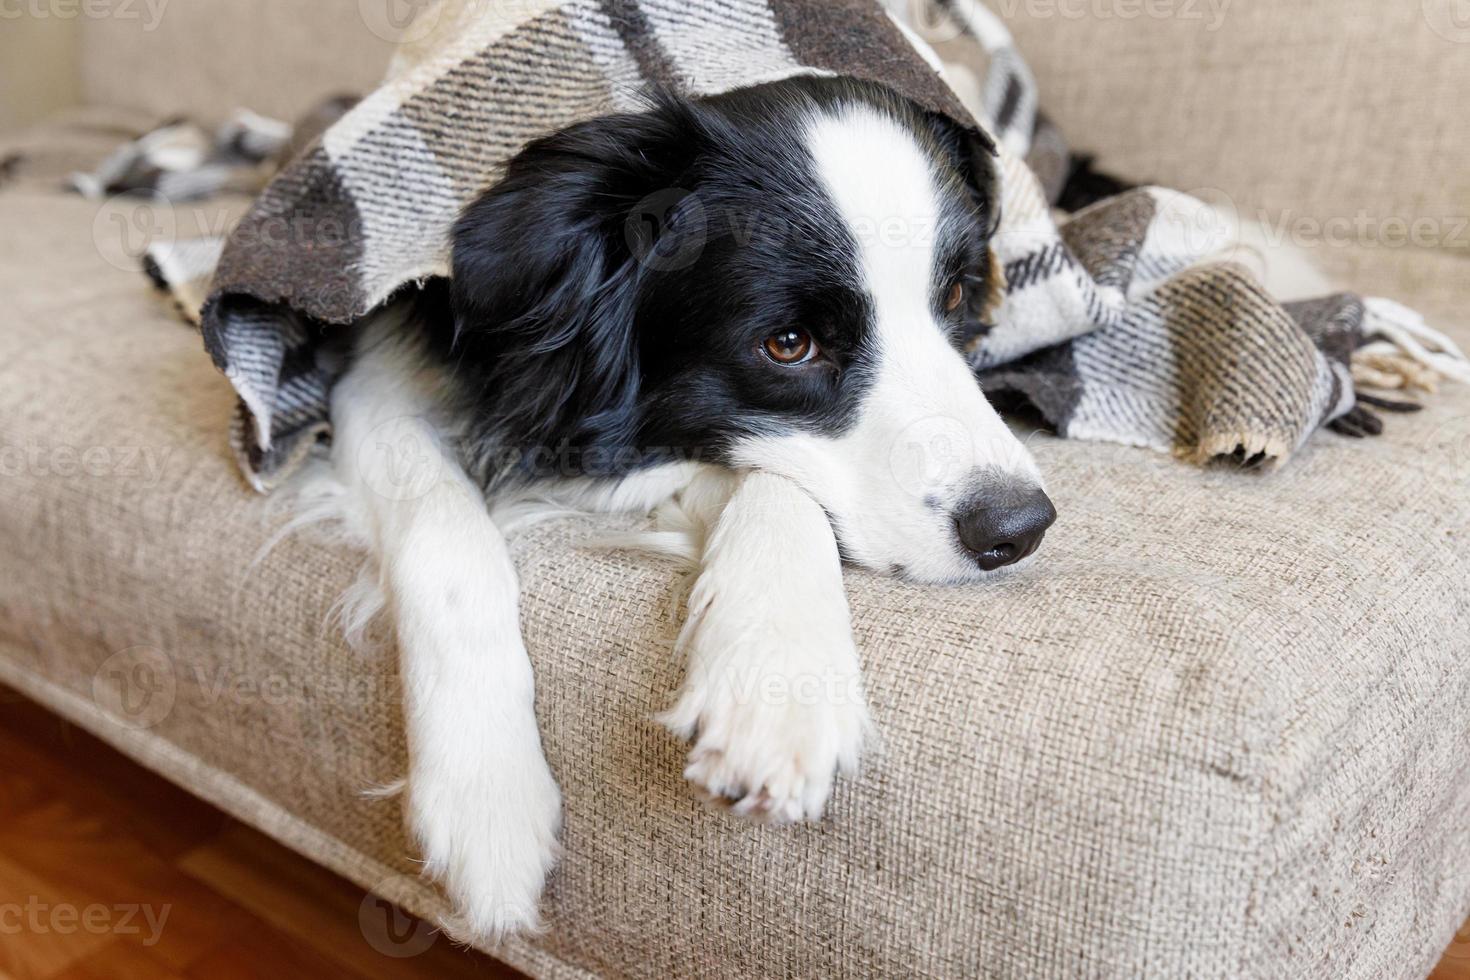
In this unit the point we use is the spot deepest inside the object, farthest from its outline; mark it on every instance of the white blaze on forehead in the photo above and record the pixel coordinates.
(882, 183)
(923, 438)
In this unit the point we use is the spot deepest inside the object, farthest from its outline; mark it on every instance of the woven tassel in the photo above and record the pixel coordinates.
(1392, 370)
(1407, 353)
(1250, 450)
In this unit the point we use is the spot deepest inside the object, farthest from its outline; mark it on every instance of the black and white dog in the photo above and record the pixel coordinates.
(775, 364)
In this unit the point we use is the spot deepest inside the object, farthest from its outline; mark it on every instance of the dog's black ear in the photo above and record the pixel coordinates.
(546, 272)
(973, 153)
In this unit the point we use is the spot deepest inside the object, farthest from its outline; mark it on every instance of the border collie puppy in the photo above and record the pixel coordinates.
(745, 310)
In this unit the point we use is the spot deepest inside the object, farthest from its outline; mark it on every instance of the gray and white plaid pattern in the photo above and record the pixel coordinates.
(1110, 326)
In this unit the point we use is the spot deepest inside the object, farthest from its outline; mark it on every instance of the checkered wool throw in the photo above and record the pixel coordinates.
(1114, 326)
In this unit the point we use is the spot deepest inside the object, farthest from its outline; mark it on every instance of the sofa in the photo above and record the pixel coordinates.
(1220, 729)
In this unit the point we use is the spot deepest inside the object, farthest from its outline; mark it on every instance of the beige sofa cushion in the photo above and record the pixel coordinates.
(1219, 729)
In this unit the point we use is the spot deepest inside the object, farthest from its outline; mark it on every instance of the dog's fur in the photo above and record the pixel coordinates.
(613, 339)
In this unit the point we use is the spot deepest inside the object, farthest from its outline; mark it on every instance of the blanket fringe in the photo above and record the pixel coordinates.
(1406, 353)
(1249, 449)
(1393, 371)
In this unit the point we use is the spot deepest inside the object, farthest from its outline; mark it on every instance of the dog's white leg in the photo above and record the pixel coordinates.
(773, 696)
(482, 802)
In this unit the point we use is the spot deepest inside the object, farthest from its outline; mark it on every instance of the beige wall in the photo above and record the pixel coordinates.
(38, 65)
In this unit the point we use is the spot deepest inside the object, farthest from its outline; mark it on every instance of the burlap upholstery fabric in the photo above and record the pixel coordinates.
(1210, 733)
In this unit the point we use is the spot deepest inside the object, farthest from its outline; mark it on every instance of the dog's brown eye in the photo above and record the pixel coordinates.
(790, 347)
(955, 298)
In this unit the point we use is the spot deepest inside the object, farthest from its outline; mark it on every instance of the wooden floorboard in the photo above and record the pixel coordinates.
(1455, 965)
(173, 887)
(81, 827)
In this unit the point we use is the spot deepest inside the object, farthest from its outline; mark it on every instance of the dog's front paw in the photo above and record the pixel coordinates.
(769, 740)
(773, 695)
(488, 832)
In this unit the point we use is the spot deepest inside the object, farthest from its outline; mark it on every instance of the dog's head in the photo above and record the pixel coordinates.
(779, 278)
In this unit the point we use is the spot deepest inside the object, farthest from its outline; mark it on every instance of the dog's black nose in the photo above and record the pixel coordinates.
(1007, 527)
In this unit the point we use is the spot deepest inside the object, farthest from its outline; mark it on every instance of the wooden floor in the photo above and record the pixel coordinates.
(108, 872)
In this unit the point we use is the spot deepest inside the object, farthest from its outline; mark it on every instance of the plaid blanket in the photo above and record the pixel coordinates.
(1113, 326)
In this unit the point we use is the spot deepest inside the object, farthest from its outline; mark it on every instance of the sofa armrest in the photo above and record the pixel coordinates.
(1346, 118)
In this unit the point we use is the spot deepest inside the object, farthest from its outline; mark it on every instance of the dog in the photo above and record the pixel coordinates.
(745, 313)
